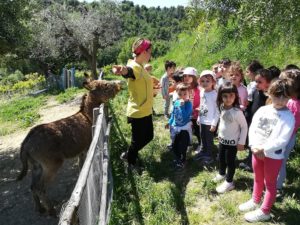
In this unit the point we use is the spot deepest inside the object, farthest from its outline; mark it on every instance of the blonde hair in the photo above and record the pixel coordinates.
(281, 88)
(235, 67)
(182, 87)
(294, 75)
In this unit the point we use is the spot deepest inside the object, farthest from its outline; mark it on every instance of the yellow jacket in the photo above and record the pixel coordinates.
(140, 89)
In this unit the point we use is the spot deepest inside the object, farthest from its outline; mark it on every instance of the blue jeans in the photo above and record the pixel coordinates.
(167, 105)
(282, 173)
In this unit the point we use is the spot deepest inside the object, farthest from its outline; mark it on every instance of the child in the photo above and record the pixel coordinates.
(190, 78)
(251, 71)
(269, 133)
(235, 73)
(164, 81)
(180, 124)
(208, 115)
(275, 71)
(263, 79)
(216, 68)
(224, 65)
(232, 134)
(156, 85)
(294, 106)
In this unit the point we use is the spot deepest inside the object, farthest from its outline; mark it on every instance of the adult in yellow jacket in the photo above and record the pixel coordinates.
(140, 102)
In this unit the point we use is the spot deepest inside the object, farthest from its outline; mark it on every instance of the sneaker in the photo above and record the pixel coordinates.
(279, 193)
(124, 156)
(218, 178)
(198, 150)
(170, 146)
(206, 160)
(256, 216)
(225, 187)
(246, 167)
(202, 154)
(248, 206)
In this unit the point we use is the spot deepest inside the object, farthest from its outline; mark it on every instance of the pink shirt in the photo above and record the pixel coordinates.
(196, 103)
(243, 95)
(294, 107)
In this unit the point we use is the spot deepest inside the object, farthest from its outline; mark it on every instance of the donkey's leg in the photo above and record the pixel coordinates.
(37, 172)
(49, 173)
(81, 159)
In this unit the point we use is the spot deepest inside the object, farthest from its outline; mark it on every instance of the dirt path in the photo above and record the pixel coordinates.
(16, 205)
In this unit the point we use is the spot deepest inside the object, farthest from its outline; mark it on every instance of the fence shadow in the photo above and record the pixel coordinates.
(16, 205)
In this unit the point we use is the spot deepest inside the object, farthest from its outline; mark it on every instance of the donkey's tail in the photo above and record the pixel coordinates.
(24, 160)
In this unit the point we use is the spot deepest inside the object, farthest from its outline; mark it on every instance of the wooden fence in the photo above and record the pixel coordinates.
(90, 201)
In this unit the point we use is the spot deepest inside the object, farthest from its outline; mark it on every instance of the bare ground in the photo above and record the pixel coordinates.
(16, 204)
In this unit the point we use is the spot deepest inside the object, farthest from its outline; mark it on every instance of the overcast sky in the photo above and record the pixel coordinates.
(161, 3)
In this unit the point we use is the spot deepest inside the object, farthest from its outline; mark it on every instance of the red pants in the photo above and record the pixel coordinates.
(265, 175)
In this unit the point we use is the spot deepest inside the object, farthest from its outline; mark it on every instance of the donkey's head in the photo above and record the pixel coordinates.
(101, 90)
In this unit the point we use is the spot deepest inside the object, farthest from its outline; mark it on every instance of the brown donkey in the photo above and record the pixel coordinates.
(47, 145)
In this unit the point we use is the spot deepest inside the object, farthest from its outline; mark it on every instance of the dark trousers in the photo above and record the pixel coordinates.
(196, 130)
(227, 154)
(207, 139)
(141, 135)
(180, 145)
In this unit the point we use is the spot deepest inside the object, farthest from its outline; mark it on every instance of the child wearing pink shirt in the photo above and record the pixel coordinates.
(294, 106)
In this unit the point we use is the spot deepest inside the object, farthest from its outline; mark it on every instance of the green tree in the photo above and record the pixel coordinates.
(68, 31)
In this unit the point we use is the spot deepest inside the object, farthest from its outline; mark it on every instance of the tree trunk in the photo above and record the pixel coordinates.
(94, 59)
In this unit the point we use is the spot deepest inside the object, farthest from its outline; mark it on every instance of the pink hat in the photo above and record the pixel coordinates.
(208, 72)
(190, 71)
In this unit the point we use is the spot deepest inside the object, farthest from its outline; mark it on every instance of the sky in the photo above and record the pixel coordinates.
(155, 3)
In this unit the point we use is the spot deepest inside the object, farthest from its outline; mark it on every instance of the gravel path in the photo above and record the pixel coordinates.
(16, 204)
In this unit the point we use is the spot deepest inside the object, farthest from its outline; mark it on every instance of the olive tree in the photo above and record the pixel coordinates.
(65, 32)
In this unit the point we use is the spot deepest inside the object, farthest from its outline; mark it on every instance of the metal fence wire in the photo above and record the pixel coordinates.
(91, 198)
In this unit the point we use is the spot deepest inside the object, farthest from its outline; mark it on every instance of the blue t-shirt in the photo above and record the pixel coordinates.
(181, 114)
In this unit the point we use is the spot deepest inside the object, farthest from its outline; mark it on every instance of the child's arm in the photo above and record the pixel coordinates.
(244, 129)
(280, 135)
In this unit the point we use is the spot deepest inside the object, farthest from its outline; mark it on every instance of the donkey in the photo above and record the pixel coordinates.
(47, 145)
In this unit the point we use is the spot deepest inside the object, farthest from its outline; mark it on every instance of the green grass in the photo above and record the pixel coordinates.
(19, 113)
(68, 95)
(161, 196)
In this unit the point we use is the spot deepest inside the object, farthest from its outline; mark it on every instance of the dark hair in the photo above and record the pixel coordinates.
(169, 64)
(228, 87)
(281, 87)
(266, 74)
(291, 66)
(226, 62)
(275, 71)
(177, 76)
(254, 66)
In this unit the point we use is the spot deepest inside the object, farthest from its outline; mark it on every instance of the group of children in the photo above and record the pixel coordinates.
(262, 116)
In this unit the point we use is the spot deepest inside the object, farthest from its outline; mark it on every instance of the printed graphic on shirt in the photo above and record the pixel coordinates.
(178, 115)
(226, 141)
(203, 107)
(227, 117)
(265, 126)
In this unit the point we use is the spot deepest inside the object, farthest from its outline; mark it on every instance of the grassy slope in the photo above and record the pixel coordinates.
(162, 196)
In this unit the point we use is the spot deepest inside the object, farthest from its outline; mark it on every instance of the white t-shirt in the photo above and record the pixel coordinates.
(208, 112)
(251, 87)
(271, 130)
(232, 127)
